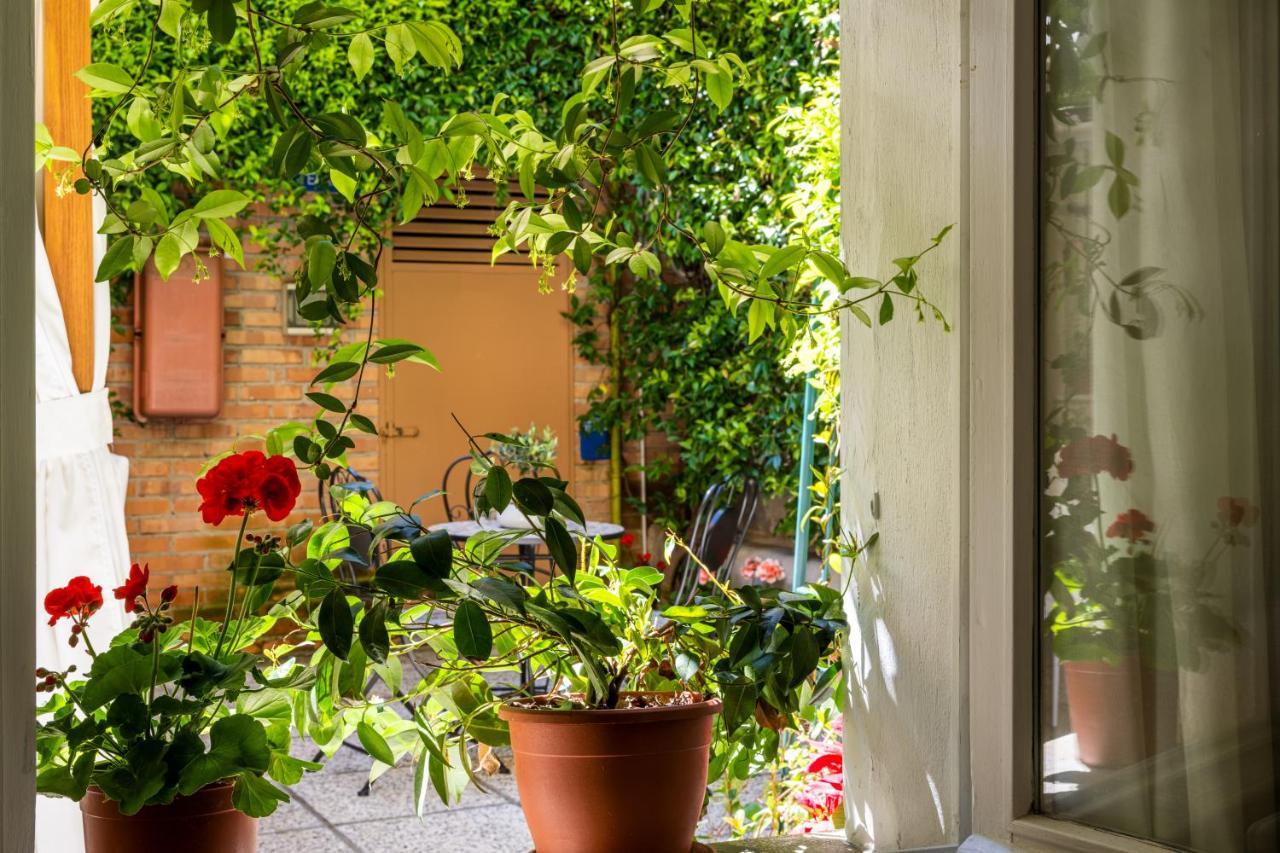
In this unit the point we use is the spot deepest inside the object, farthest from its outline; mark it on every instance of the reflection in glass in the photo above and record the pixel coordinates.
(1160, 303)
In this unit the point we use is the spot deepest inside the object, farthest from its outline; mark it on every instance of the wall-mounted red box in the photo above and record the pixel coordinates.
(177, 342)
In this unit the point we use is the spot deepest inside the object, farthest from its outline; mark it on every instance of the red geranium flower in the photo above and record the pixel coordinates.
(1095, 455)
(230, 487)
(1236, 512)
(278, 487)
(627, 540)
(78, 600)
(247, 481)
(134, 587)
(1132, 525)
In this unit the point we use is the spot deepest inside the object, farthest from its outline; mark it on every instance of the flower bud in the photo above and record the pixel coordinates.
(41, 672)
(50, 680)
(76, 629)
(169, 593)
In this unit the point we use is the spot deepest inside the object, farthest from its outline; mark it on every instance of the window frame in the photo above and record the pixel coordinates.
(1002, 357)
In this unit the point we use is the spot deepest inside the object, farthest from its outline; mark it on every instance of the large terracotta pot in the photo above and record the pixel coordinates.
(204, 822)
(1122, 713)
(626, 781)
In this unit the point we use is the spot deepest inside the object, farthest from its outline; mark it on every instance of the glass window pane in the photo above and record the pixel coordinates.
(1160, 415)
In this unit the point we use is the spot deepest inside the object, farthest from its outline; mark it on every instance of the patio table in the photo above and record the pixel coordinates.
(461, 531)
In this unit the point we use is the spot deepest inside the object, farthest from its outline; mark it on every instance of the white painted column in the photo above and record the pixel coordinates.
(906, 753)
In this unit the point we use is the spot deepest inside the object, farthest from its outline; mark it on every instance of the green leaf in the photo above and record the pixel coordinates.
(118, 258)
(471, 632)
(336, 623)
(395, 352)
(255, 796)
(562, 547)
(1115, 149)
(783, 259)
(105, 77)
(1119, 198)
(236, 743)
(739, 704)
(373, 632)
(321, 257)
(886, 309)
(220, 204)
(375, 744)
(497, 488)
(533, 496)
(123, 670)
(222, 21)
(338, 371)
(168, 255)
(433, 552)
(327, 401)
(719, 88)
(400, 45)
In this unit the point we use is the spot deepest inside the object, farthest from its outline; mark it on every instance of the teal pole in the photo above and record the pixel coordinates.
(800, 552)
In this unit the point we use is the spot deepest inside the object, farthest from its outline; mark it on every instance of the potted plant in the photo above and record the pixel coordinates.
(180, 726)
(530, 453)
(1116, 602)
(629, 702)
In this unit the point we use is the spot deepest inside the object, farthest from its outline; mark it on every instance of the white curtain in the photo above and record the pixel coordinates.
(1184, 391)
(80, 494)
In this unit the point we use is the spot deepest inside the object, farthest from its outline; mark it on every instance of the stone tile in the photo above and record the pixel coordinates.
(289, 816)
(790, 844)
(334, 795)
(320, 840)
(485, 829)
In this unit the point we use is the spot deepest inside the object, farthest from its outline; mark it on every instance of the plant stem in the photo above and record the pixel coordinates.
(231, 593)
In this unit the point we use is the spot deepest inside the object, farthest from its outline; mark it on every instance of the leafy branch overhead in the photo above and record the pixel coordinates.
(174, 120)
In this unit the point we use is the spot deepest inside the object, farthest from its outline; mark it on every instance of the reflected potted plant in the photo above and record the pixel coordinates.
(180, 726)
(651, 697)
(1117, 605)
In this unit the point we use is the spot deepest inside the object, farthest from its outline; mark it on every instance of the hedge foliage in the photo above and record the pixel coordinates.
(688, 368)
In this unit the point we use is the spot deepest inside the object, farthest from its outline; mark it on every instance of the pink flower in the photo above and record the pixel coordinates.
(749, 567)
(770, 571)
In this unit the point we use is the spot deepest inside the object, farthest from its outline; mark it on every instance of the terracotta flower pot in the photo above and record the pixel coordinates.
(1122, 713)
(627, 780)
(205, 822)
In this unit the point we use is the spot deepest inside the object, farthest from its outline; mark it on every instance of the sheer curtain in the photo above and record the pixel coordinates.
(1159, 322)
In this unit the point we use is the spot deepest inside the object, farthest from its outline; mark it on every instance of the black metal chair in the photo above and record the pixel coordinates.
(464, 509)
(716, 535)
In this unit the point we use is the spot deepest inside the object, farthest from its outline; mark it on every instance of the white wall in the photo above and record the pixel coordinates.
(905, 726)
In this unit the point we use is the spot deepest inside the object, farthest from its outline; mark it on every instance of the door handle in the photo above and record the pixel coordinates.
(395, 431)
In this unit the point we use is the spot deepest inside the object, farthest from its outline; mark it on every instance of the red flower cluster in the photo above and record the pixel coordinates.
(135, 587)
(1236, 512)
(78, 600)
(627, 540)
(824, 796)
(244, 482)
(1095, 455)
(1132, 525)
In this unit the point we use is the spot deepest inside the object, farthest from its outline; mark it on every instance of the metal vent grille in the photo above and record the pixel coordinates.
(446, 234)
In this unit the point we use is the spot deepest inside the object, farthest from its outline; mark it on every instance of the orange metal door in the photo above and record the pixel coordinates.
(505, 357)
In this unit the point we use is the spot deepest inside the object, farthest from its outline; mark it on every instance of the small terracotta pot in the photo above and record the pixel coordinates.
(1122, 713)
(204, 822)
(627, 781)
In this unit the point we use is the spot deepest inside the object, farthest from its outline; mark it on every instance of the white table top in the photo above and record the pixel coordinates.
(463, 530)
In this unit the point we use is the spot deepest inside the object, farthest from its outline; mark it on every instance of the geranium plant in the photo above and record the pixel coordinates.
(173, 706)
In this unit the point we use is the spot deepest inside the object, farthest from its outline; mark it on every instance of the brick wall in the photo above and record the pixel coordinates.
(266, 373)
